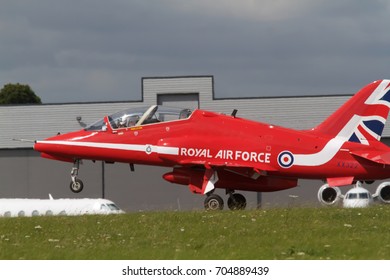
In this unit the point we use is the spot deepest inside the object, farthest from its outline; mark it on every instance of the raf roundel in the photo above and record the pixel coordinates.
(148, 149)
(285, 159)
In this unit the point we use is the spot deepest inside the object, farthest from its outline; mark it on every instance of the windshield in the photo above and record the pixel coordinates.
(112, 206)
(141, 116)
(364, 195)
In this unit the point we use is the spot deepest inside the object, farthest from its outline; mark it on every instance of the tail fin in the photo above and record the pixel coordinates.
(362, 118)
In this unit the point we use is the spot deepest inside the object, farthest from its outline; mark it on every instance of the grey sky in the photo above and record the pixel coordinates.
(94, 50)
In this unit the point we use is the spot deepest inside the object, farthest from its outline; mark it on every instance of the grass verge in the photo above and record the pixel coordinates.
(290, 233)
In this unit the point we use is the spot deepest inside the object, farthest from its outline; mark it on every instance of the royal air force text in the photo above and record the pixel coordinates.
(237, 155)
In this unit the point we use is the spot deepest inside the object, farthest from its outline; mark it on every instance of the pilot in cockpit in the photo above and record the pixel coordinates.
(184, 114)
(127, 121)
(132, 120)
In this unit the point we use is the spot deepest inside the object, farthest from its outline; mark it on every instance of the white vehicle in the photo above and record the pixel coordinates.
(23, 207)
(357, 197)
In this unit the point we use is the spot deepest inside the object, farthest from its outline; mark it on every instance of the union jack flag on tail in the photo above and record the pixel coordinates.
(362, 118)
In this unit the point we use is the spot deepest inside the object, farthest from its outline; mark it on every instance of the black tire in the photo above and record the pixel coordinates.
(76, 186)
(236, 202)
(213, 203)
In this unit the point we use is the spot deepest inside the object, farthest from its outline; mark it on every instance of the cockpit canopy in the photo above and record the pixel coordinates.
(141, 116)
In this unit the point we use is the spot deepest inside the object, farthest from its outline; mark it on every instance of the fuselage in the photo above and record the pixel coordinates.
(22, 207)
(207, 138)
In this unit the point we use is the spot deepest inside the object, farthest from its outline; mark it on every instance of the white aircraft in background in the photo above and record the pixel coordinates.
(357, 197)
(24, 207)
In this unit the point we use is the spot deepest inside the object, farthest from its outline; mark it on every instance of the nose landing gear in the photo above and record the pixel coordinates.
(76, 185)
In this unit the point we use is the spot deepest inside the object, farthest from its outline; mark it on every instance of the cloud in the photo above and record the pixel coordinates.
(85, 50)
(267, 10)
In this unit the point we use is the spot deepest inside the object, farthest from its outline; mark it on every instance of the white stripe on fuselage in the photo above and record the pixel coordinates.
(125, 147)
(323, 156)
(331, 148)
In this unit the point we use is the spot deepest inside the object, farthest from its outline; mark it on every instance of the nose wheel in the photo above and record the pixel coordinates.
(76, 185)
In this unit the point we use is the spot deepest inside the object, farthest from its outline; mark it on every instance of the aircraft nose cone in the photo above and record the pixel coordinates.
(52, 151)
(42, 146)
(38, 146)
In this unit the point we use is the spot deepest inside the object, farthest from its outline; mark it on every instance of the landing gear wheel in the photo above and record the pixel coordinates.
(76, 186)
(236, 201)
(213, 202)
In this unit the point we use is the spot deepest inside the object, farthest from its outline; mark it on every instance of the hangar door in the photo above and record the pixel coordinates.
(179, 100)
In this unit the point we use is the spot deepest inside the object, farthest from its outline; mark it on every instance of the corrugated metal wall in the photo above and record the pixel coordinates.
(297, 112)
(41, 121)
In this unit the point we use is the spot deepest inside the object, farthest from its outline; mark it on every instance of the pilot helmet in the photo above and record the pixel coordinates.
(132, 120)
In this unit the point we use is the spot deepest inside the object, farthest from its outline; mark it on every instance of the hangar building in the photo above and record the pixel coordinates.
(24, 174)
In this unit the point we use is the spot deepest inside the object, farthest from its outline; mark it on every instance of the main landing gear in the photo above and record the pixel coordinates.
(76, 185)
(235, 201)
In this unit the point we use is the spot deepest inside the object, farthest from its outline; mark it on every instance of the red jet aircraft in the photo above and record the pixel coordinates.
(209, 150)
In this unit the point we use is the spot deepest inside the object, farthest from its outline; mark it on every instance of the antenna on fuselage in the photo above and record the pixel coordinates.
(131, 167)
(234, 113)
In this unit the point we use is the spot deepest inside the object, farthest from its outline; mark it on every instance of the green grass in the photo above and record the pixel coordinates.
(291, 233)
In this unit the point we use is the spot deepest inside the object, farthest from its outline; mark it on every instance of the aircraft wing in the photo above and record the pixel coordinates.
(250, 170)
(258, 167)
(202, 180)
(381, 157)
